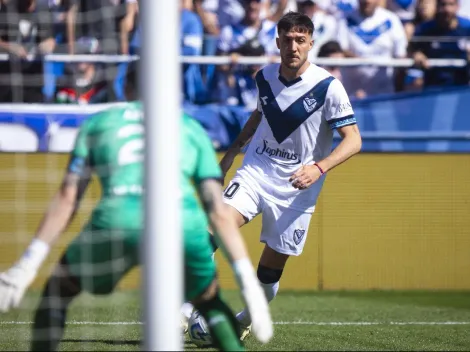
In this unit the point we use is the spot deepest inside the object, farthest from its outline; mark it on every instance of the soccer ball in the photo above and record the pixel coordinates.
(198, 330)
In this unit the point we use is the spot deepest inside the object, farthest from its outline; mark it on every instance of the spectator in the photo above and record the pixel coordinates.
(404, 9)
(97, 19)
(251, 32)
(25, 29)
(83, 83)
(231, 12)
(251, 28)
(207, 11)
(325, 25)
(332, 49)
(127, 24)
(372, 31)
(191, 44)
(273, 10)
(425, 11)
(64, 14)
(338, 8)
(446, 24)
(241, 88)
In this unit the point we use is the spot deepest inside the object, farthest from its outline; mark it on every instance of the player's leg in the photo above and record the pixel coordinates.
(201, 289)
(244, 202)
(244, 206)
(284, 233)
(49, 320)
(270, 268)
(95, 262)
(223, 324)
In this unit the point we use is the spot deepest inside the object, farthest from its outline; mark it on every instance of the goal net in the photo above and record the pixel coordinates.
(43, 104)
(392, 218)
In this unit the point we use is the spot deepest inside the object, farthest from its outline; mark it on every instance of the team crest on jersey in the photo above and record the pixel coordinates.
(298, 236)
(309, 104)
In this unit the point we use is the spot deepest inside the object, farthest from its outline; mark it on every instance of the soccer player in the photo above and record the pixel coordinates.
(291, 134)
(111, 144)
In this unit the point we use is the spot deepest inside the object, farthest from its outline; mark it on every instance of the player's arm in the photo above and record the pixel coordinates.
(340, 117)
(62, 207)
(241, 141)
(15, 281)
(350, 145)
(228, 236)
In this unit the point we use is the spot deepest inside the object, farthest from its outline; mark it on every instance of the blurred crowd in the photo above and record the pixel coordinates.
(417, 29)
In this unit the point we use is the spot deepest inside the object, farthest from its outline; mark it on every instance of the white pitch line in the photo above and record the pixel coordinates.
(319, 323)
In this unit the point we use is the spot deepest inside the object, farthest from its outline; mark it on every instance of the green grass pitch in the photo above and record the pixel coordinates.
(328, 321)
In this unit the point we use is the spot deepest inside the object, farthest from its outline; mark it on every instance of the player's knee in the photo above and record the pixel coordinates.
(267, 275)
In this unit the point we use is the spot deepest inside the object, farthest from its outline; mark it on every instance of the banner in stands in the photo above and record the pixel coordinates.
(435, 121)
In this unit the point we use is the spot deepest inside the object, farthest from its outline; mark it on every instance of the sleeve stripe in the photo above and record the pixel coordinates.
(343, 121)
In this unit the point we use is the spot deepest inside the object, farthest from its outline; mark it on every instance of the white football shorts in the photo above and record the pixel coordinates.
(283, 229)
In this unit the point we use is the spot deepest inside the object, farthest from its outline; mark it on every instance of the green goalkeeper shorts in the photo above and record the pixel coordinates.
(199, 267)
(99, 258)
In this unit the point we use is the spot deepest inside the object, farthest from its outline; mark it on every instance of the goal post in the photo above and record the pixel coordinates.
(163, 273)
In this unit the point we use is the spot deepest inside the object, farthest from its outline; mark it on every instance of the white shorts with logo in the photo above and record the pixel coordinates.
(283, 229)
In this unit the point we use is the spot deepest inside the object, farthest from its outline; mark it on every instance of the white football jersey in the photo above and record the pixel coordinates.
(380, 35)
(405, 11)
(298, 119)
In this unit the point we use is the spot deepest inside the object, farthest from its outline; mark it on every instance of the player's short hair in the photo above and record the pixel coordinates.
(295, 21)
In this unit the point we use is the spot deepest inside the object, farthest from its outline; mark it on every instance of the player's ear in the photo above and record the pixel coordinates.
(277, 43)
(311, 43)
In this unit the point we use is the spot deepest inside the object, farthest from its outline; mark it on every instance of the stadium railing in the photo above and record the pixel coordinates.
(223, 60)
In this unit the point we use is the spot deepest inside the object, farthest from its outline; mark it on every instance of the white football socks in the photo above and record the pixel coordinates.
(270, 291)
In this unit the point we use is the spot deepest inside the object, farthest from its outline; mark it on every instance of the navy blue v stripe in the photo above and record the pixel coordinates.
(283, 123)
(371, 35)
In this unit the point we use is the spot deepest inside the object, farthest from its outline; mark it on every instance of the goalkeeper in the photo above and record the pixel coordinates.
(110, 144)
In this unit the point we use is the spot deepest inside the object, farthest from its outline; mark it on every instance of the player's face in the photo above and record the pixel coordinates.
(447, 9)
(294, 47)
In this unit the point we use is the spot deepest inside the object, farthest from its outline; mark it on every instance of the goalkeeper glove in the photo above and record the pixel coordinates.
(255, 300)
(15, 281)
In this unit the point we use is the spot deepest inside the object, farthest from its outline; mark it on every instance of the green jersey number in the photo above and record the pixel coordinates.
(131, 151)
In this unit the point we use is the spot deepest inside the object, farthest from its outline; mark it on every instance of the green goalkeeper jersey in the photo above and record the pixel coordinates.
(198, 162)
(111, 145)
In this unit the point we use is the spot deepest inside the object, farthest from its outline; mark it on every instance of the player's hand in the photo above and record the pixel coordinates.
(13, 284)
(306, 176)
(257, 305)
